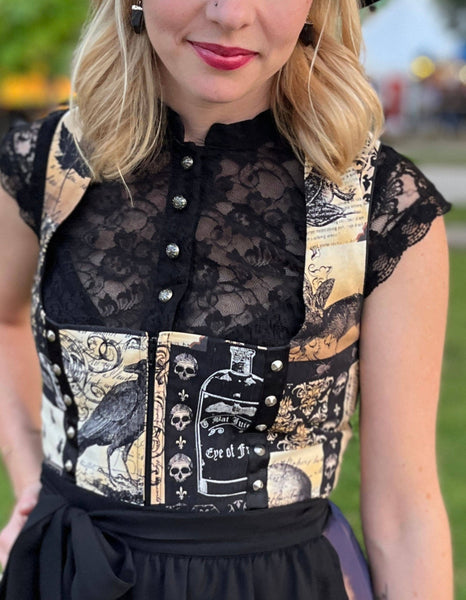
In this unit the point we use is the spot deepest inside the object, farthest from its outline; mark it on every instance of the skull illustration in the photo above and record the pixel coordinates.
(185, 366)
(181, 416)
(181, 467)
(340, 383)
(331, 463)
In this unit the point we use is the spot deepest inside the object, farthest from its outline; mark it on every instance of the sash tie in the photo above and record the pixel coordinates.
(75, 558)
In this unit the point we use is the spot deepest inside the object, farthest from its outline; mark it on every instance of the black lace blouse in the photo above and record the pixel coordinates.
(213, 240)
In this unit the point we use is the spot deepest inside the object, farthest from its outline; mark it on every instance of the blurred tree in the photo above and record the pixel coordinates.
(39, 35)
(457, 12)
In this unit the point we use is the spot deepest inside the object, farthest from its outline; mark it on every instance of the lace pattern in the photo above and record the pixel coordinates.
(239, 273)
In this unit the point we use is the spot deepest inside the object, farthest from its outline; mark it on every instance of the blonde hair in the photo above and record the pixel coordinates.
(322, 101)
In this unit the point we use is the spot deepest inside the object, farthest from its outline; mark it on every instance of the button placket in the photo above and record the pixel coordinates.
(173, 268)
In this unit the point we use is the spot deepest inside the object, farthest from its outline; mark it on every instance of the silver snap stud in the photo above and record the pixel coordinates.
(67, 400)
(276, 366)
(259, 450)
(172, 251)
(56, 369)
(179, 202)
(70, 433)
(261, 427)
(51, 336)
(258, 485)
(270, 401)
(68, 466)
(187, 162)
(165, 295)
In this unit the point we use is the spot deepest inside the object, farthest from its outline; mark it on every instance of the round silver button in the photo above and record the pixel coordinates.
(276, 366)
(165, 295)
(70, 433)
(67, 400)
(68, 466)
(258, 485)
(179, 202)
(187, 162)
(261, 427)
(56, 369)
(271, 401)
(259, 450)
(172, 251)
(51, 336)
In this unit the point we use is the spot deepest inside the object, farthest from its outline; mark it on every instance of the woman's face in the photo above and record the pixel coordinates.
(222, 52)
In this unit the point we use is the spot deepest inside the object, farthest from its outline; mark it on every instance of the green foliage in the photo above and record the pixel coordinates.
(455, 3)
(39, 34)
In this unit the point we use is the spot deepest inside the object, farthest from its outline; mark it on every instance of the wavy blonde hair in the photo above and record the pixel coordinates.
(322, 101)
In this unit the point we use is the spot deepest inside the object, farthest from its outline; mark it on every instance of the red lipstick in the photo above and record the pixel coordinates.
(225, 58)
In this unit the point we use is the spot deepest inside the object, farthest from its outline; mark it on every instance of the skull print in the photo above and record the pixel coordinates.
(181, 416)
(185, 366)
(331, 463)
(180, 467)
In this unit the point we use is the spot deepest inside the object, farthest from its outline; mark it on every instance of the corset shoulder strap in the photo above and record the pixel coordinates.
(68, 176)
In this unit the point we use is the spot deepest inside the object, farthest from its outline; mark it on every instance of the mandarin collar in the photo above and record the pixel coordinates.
(251, 133)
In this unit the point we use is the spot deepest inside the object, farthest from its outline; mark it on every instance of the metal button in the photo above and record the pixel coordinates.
(276, 366)
(165, 295)
(260, 450)
(67, 400)
(179, 202)
(56, 369)
(51, 336)
(261, 427)
(68, 466)
(70, 433)
(172, 251)
(271, 401)
(187, 162)
(258, 485)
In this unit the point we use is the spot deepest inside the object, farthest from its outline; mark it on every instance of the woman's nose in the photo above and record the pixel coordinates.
(231, 14)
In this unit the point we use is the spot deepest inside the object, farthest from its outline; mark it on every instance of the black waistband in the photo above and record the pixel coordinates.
(154, 530)
(78, 545)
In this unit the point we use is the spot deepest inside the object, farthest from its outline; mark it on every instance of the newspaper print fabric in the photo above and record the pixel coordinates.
(191, 401)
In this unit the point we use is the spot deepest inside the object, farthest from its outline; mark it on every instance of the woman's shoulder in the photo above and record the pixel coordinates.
(404, 205)
(23, 163)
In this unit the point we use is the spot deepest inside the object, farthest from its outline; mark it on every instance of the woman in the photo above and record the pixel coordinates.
(212, 290)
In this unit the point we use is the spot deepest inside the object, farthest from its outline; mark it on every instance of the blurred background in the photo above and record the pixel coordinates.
(416, 57)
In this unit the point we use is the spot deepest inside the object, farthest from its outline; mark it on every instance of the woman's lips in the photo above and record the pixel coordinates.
(224, 58)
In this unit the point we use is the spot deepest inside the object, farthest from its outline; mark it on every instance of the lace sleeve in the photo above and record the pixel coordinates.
(17, 155)
(404, 205)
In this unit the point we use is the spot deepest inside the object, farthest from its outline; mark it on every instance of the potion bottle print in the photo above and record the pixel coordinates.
(228, 401)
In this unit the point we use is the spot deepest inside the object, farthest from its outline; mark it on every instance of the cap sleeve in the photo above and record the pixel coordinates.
(404, 204)
(23, 164)
(17, 156)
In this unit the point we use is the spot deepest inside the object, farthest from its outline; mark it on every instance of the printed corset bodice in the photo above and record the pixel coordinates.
(194, 423)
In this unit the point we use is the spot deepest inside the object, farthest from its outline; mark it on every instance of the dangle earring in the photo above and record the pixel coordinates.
(305, 37)
(137, 17)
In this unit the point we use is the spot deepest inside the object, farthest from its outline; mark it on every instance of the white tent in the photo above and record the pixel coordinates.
(402, 30)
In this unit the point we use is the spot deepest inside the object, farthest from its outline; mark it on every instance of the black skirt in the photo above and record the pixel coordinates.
(77, 545)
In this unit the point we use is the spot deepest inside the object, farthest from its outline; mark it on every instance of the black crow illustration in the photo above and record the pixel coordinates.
(119, 418)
